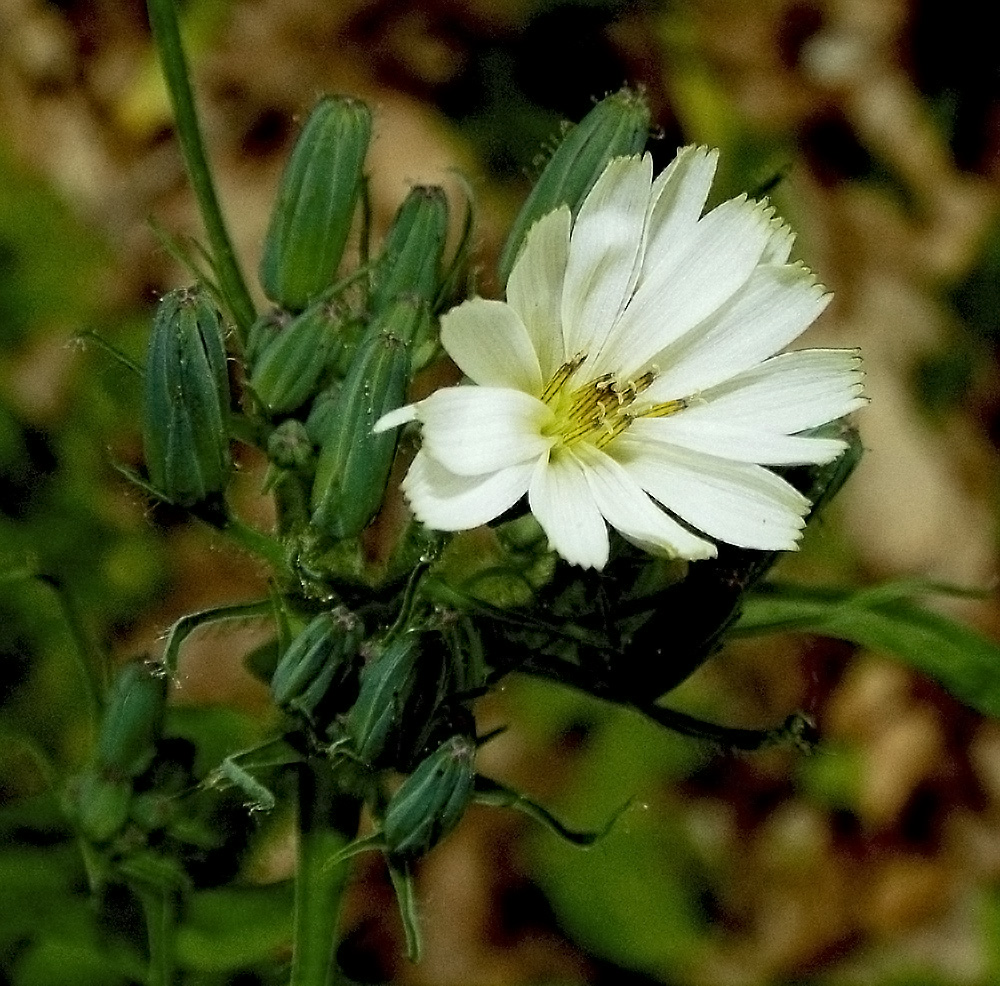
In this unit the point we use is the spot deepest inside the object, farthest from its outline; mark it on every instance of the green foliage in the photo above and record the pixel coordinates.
(887, 619)
(646, 915)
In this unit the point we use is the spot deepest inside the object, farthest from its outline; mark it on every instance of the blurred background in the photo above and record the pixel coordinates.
(874, 861)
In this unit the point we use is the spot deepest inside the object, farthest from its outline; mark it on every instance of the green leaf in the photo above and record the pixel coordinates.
(234, 927)
(888, 619)
(65, 963)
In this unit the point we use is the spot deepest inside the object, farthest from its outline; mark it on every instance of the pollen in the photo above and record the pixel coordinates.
(597, 411)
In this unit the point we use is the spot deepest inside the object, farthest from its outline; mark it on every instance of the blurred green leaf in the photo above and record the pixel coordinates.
(52, 962)
(50, 262)
(888, 619)
(235, 927)
(646, 914)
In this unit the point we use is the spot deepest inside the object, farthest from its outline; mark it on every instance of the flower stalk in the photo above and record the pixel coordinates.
(328, 820)
(166, 35)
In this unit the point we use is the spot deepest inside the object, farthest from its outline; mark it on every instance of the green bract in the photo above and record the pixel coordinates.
(315, 204)
(354, 462)
(432, 800)
(186, 401)
(617, 125)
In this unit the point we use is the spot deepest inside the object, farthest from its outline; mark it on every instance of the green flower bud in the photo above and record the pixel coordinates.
(354, 462)
(186, 402)
(317, 676)
(616, 126)
(290, 447)
(100, 804)
(400, 690)
(432, 800)
(291, 365)
(262, 333)
(133, 720)
(410, 263)
(316, 201)
(322, 413)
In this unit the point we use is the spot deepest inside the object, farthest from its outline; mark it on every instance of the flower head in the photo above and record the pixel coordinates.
(630, 378)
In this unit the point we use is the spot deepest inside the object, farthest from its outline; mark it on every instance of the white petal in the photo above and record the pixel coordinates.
(393, 419)
(603, 251)
(779, 247)
(687, 281)
(535, 287)
(678, 196)
(476, 430)
(561, 500)
(447, 502)
(736, 502)
(787, 393)
(628, 509)
(772, 309)
(730, 441)
(491, 346)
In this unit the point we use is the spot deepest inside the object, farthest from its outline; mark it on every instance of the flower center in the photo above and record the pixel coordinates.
(598, 411)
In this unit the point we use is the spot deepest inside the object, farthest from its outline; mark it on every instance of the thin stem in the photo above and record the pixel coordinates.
(166, 34)
(160, 910)
(328, 820)
(256, 542)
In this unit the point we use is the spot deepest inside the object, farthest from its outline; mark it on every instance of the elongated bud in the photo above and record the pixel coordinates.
(262, 333)
(401, 689)
(432, 800)
(617, 125)
(410, 263)
(291, 365)
(317, 676)
(186, 401)
(354, 462)
(315, 204)
(323, 413)
(100, 804)
(133, 719)
(387, 683)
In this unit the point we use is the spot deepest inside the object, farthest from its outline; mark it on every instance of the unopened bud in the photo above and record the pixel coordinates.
(618, 125)
(186, 401)
(290, 447)
(133, 721)
(317, 676)
(289, 368)
(315, 204)
(99, 804)
(410, 263)
(432, 800)
(400, 690)
(354, 462)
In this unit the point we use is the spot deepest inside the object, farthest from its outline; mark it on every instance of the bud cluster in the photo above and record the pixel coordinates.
(387, 632)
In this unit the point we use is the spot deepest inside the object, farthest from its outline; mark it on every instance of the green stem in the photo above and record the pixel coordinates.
(166, 34)
(257, 543)
(328, 820)
(160, 910)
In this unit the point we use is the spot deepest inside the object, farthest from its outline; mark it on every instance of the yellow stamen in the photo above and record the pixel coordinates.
(561, 376)
(597, 411)
(665, 409)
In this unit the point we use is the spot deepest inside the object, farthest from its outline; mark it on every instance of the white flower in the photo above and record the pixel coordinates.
(632, 369)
